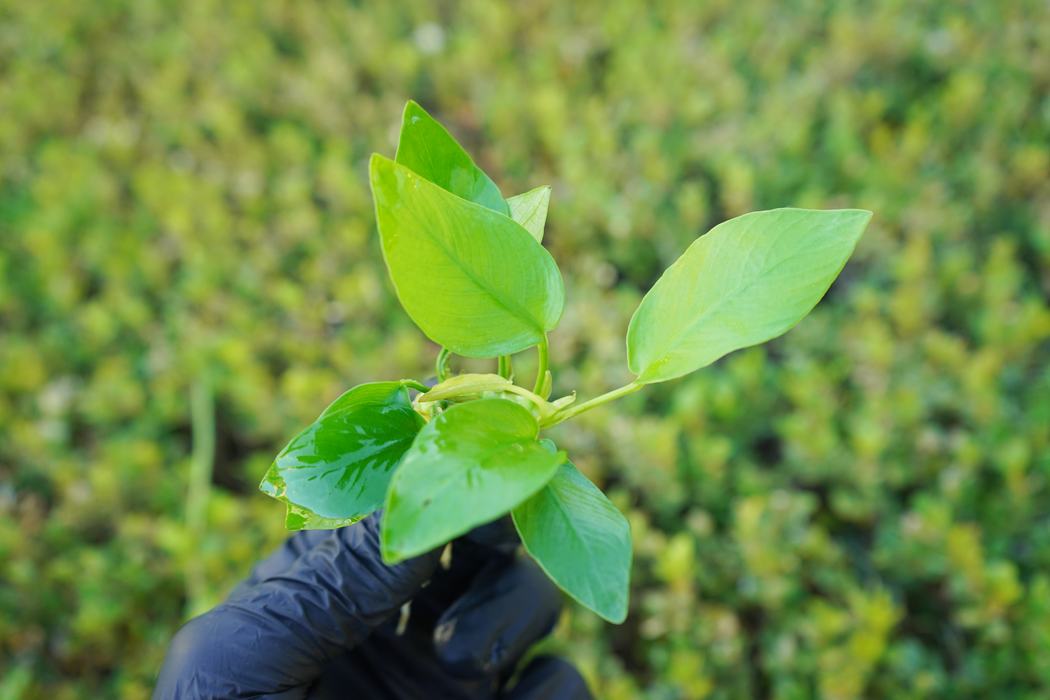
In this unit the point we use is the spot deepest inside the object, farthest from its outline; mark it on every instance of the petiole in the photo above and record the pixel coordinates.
(541, 371)
(571, 411)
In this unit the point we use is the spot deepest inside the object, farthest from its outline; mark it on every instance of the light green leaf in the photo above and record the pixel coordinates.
(464, 384)
(580, 539)
(468, 466)
(474, 281)
(748, 280)
(427, 149)
(530, 210)
(336, 471)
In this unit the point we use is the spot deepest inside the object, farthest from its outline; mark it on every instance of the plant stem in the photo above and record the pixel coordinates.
(541, 371)
(504, 366)
(577, 409)
(202, 420)
(413, 384)
(522, 391)
(442, 364)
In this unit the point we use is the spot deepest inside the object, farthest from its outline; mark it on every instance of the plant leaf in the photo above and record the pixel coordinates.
(580, 539)
(299, 518)
(468, 466)
(336, 471)
(748, 280)
(530, 210)
(474, 281)
(426, 148)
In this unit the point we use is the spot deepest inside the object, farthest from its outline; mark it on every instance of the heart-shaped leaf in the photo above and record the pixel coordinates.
(468, 466)
(748, 280)
(474, 281)
(580, 539)
(530, 210)
(336, 471)
(426, 148)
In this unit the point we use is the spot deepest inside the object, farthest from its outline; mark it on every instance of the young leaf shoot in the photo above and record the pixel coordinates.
(473, 280)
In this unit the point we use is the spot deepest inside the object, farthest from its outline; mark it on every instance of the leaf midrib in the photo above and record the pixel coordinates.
(514, 309)
(456, 476)
(670, 347)
(572, 522)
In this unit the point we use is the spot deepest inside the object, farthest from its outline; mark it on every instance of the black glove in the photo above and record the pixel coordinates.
(318, 619)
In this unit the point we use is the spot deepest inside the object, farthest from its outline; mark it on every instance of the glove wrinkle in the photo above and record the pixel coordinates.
(298, 544)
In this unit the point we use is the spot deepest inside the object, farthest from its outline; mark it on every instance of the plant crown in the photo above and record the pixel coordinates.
(470, 269)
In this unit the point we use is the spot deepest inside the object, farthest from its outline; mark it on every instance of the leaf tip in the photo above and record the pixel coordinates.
(862, 214)
(272, 484)
(413, 113)
(858, 221)
(375, 161)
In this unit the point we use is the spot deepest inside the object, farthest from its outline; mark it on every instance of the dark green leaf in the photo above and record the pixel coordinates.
(336, 471)
(468, 466)
(476, 282)
(580, 539)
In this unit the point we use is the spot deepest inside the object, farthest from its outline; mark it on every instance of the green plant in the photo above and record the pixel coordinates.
(470, 270)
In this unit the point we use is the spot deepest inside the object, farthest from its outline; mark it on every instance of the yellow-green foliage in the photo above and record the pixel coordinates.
(857, 510)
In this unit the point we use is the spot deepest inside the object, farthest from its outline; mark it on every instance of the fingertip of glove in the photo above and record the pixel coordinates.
(510, 605)
(363, 538)
(191, 655)
(550, 678)
(499, 535)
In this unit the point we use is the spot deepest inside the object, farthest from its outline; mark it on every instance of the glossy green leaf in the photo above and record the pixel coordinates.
(468, 466)
(426, 148)
(748, 280)
(336, 471)
(580, 539)
(530, 210)
(474, 281)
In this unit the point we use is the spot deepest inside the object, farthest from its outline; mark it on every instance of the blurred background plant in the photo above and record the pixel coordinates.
(859, 509)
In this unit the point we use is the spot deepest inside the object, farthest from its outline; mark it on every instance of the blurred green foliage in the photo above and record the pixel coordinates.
(859, 509)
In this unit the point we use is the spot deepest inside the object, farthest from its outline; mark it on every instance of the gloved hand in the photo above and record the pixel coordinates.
(318, 620)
